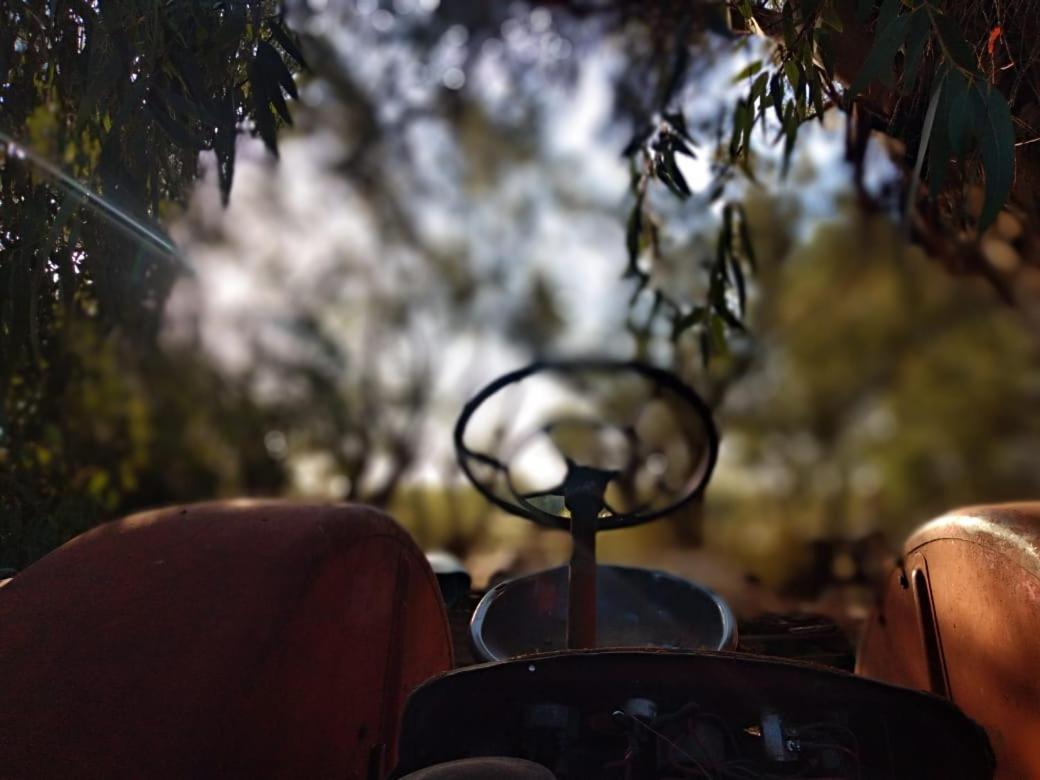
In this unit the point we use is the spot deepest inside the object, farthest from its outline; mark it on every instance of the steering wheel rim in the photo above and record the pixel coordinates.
(696, 483)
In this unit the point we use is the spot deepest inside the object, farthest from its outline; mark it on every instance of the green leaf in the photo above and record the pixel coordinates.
(224, 141)
(927, 130)
(888, 11)
(792, 72)
(801, 93)
(816, 93)
(263, 117)
(177, 132)
(738, 279)
(878, 64)
(668, 172)
(758, 88)
(748, 72)
(749, 125)
(678, 123)
(791, 133)
(959, 123)
(997, 146)
(285, 40)
(825, 49)
(741, 127)
(939, 145)
(633, 231)
(916, 40)
(717, 335)
(678, 146)
(776, 92)
(831, 18)
(808, 9)
(745, 238)
(955, 47)
(182, 106)
(790, 33)
(272, 65)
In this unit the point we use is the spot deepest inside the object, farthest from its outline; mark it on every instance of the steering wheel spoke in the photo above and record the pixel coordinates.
(607, 482)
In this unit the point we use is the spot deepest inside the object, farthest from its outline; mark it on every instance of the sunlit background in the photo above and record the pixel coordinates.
(450, 204)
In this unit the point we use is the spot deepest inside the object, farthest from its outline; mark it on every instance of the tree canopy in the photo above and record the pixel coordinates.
(111, 113)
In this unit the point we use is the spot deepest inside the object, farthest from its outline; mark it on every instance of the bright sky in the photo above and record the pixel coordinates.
(296, 233)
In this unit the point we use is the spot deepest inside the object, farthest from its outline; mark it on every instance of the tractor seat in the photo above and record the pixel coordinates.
(636, 608)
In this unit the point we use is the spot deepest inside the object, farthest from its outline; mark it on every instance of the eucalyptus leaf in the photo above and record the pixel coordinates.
(175, 130)
(776, 92)
(816, 94)
(825, 49)
(678, 123)
(748, 71)
(632, 233)
(997, 147)
(878, 64)
(960, 121)
(263, 117)
(831, 18)
(739, 283)
(758, 88)
(787, 19)
(717, 335)
(276, 71)
(916, 41)
(285, 40)
(792, 72)
(278, 101)
(740, 120)
(887, 12)
(955, 47)
(939, 145)
(745, 238)
(791, 135)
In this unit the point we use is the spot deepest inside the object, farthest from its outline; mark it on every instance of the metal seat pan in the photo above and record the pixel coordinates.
(636, 608)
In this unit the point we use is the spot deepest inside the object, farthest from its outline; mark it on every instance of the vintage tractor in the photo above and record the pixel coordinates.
(265, 638)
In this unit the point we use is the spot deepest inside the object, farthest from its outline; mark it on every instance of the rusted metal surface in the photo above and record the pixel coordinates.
(585, 484)
(961, 617)
(638, 608)
(797, 636)
(581, 581)
(487, 709)
(229, 639)
(483, 769)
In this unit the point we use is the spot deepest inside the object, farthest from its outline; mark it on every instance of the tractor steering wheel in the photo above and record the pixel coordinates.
(594, 484)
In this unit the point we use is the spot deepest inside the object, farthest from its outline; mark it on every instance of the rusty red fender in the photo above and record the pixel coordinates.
(961, 617)
(236, 638)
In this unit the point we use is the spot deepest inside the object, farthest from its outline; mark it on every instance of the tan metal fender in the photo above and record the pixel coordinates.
(960, 616)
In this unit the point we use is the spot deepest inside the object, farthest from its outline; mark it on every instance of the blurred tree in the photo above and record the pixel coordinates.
(883, 394)
(954, 87)
(115, 102)
(105, 109)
